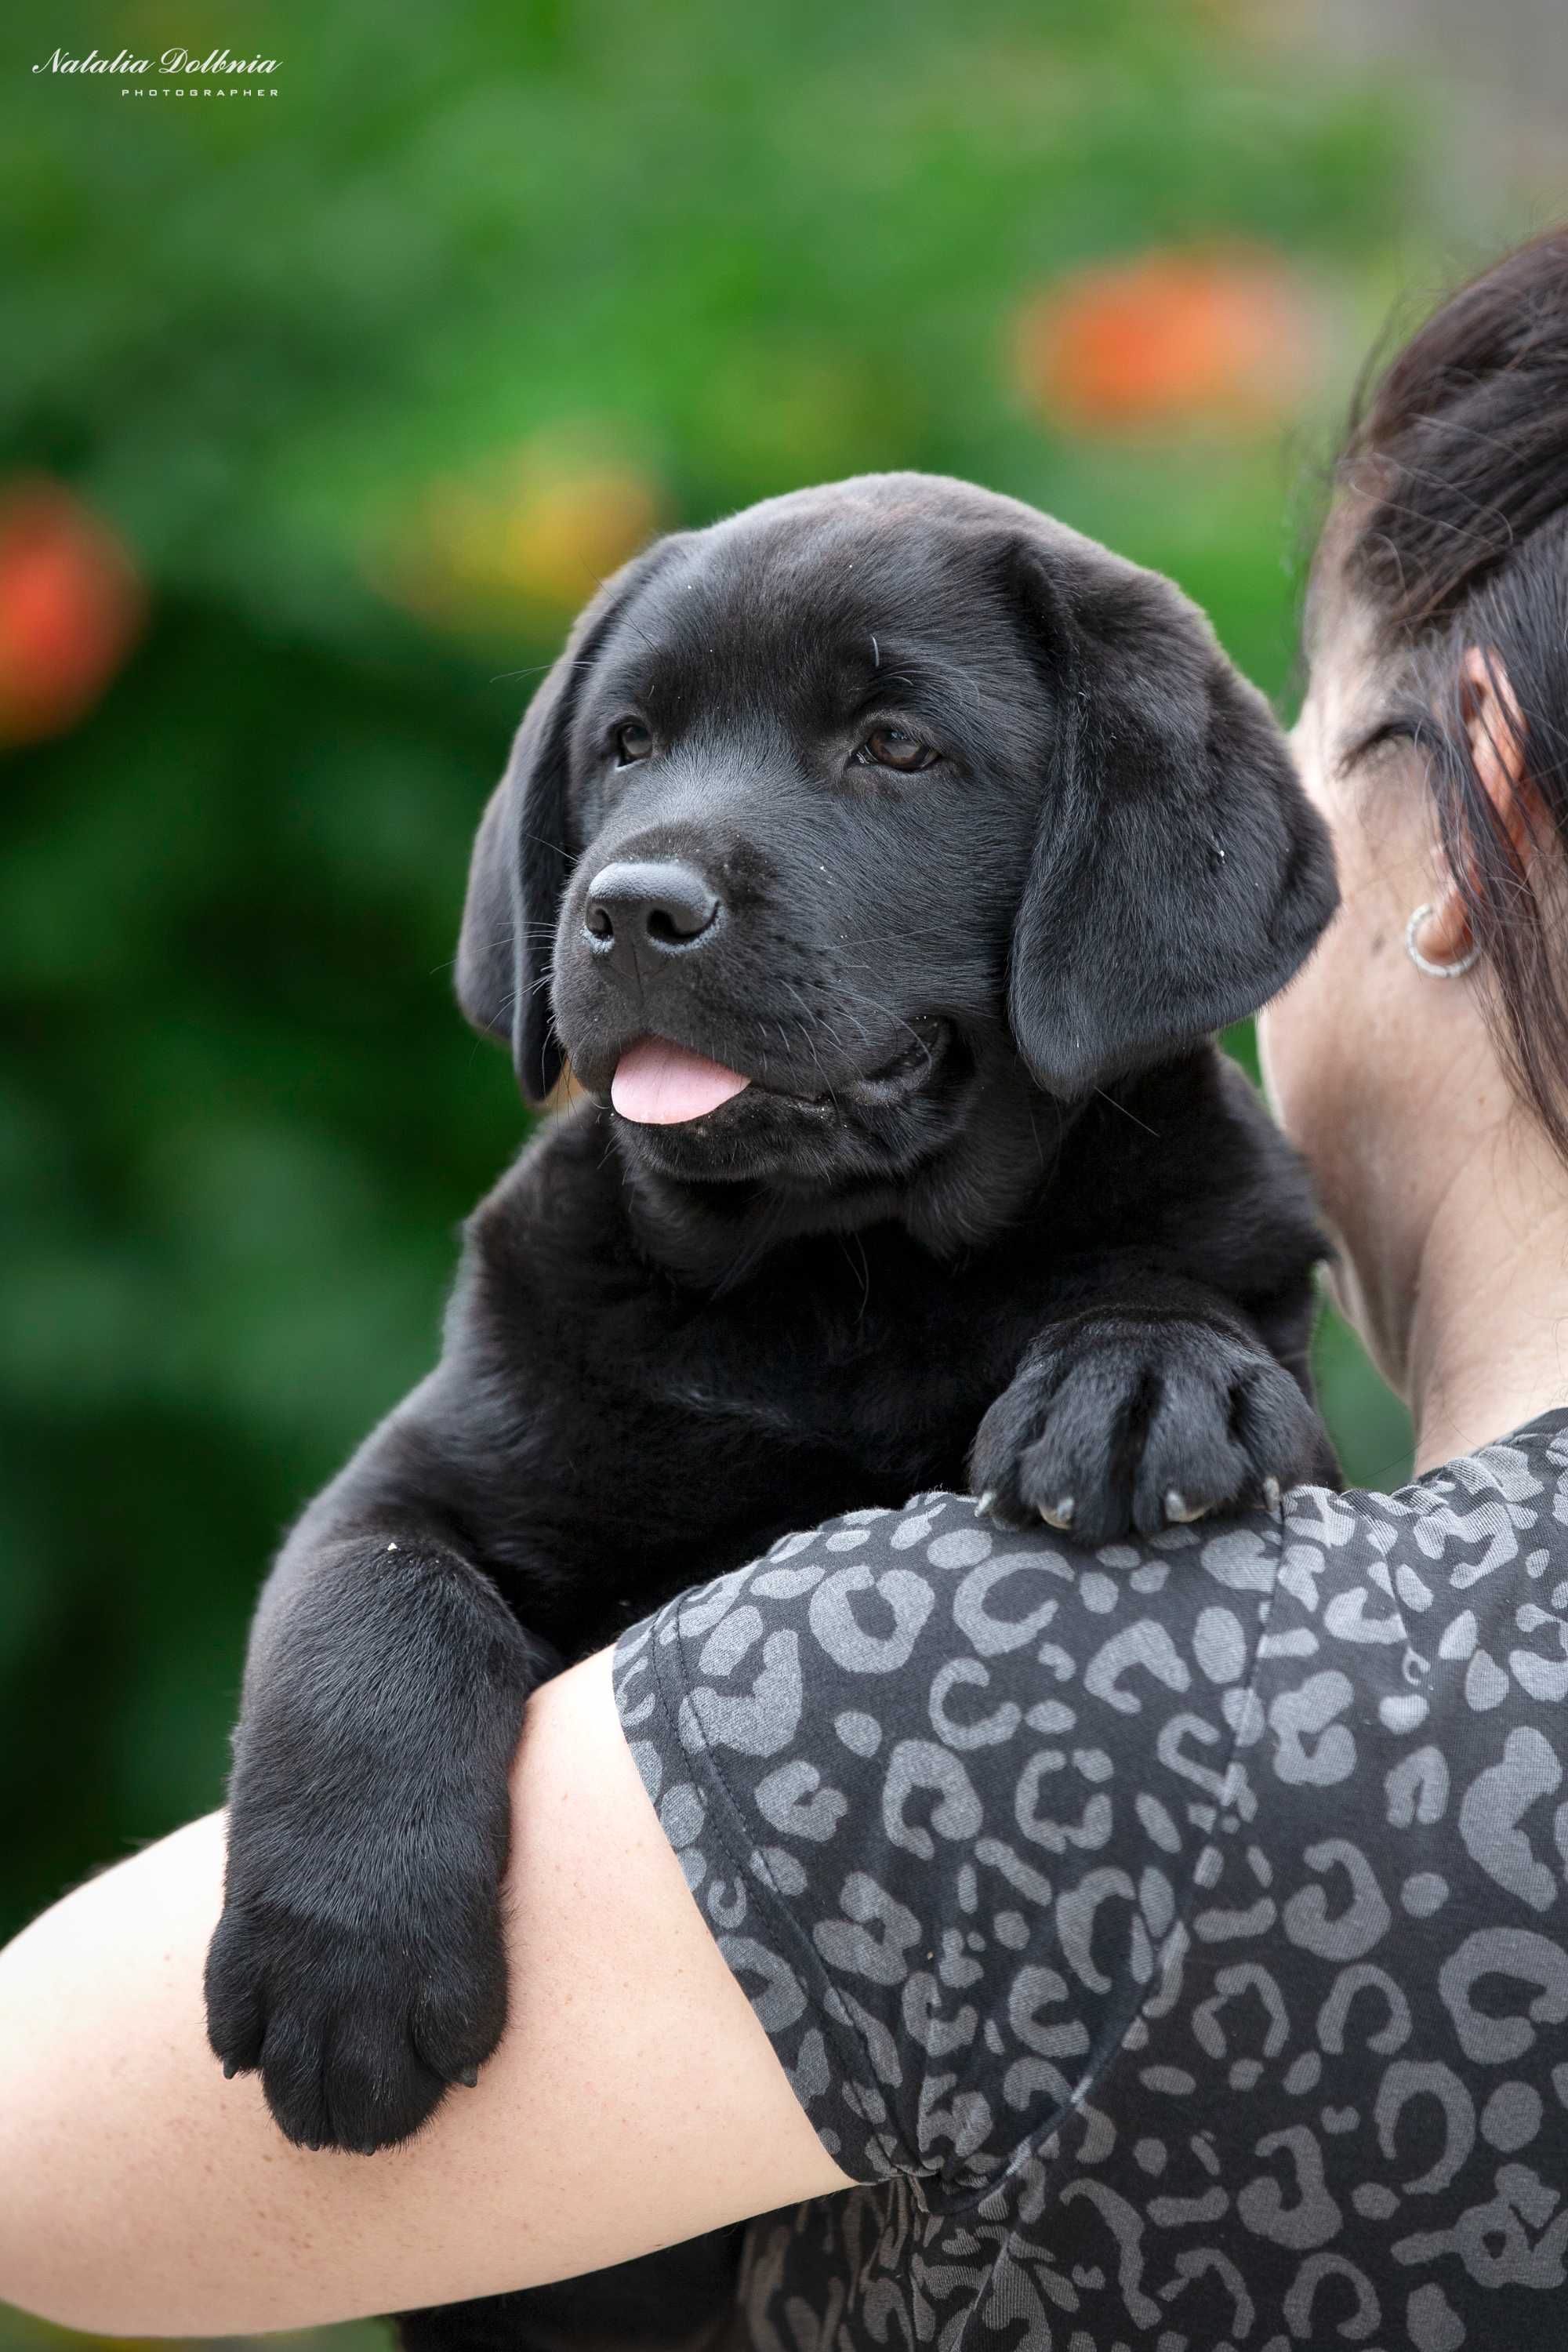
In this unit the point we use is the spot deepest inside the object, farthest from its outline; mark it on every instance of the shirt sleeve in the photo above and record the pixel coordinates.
(944, 1795)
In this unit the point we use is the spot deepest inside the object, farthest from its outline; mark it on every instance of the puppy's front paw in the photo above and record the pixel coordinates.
(1118, 1420)
(356, 2015)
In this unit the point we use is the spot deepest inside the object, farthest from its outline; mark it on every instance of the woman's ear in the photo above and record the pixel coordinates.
(524, 852)
(1495, 734)
(1495, 726)
(1180, 874)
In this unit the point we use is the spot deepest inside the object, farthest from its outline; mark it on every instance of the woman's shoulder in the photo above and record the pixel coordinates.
(920, 1769)
(1439, 1607)
(872, 1591)
(1465, 1565)
(918, 1621)
(1517, 1470)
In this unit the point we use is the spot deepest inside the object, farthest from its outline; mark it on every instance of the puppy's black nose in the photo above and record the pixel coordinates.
(637, 914)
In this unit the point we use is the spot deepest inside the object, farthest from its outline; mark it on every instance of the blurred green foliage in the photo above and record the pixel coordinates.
(727, 250)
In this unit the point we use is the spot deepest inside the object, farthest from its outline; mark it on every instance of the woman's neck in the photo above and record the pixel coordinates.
(1486, 1345)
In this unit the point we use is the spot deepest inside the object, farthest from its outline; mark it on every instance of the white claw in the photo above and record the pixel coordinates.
(1271, 1493)
(983, 1503)
(1177, 1507)
(1061, 1518)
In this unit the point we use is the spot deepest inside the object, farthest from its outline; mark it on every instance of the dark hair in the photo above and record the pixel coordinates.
(1450, 530)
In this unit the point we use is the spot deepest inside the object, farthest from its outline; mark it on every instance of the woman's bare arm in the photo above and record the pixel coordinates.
(635, 2100)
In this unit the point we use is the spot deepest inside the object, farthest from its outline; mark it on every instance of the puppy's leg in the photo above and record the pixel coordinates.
(358, 1965)
(1156, 1401)
(681, 2299)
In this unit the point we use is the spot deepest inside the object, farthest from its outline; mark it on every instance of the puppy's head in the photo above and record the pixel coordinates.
(824, 810)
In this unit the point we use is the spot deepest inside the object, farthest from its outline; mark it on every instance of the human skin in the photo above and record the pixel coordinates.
(635, 2099)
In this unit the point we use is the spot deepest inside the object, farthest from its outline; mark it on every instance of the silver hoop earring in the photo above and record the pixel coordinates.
(1456, 971)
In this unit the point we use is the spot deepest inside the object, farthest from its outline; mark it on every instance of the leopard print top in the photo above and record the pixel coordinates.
(1173, 1938)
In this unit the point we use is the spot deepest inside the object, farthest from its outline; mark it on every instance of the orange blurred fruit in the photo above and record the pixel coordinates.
(1170, 340)
(71, 606)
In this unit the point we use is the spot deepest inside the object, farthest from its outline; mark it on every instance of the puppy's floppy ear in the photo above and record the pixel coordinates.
(1180, 874)
(524, 854)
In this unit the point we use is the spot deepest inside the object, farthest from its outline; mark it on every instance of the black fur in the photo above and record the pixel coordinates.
(994, 1205)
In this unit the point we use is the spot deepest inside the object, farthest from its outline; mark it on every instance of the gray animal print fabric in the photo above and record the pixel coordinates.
(1173, 1938)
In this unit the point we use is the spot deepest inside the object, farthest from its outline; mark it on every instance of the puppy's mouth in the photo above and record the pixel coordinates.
(658, 1083)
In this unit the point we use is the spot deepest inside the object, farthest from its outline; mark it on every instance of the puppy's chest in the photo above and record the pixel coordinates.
(886, 1362)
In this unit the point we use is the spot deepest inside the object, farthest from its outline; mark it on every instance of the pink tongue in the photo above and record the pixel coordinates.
(659, 1084)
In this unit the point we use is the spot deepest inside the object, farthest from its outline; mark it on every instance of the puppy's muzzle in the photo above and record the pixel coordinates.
(640, 915)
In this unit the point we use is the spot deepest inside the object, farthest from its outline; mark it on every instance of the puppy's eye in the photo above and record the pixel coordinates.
(895, 747)
(634, 741)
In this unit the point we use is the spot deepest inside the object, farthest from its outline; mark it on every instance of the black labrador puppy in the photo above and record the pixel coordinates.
(882, 859)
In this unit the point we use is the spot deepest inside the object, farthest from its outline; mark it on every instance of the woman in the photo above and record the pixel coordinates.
(1170, 1941)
